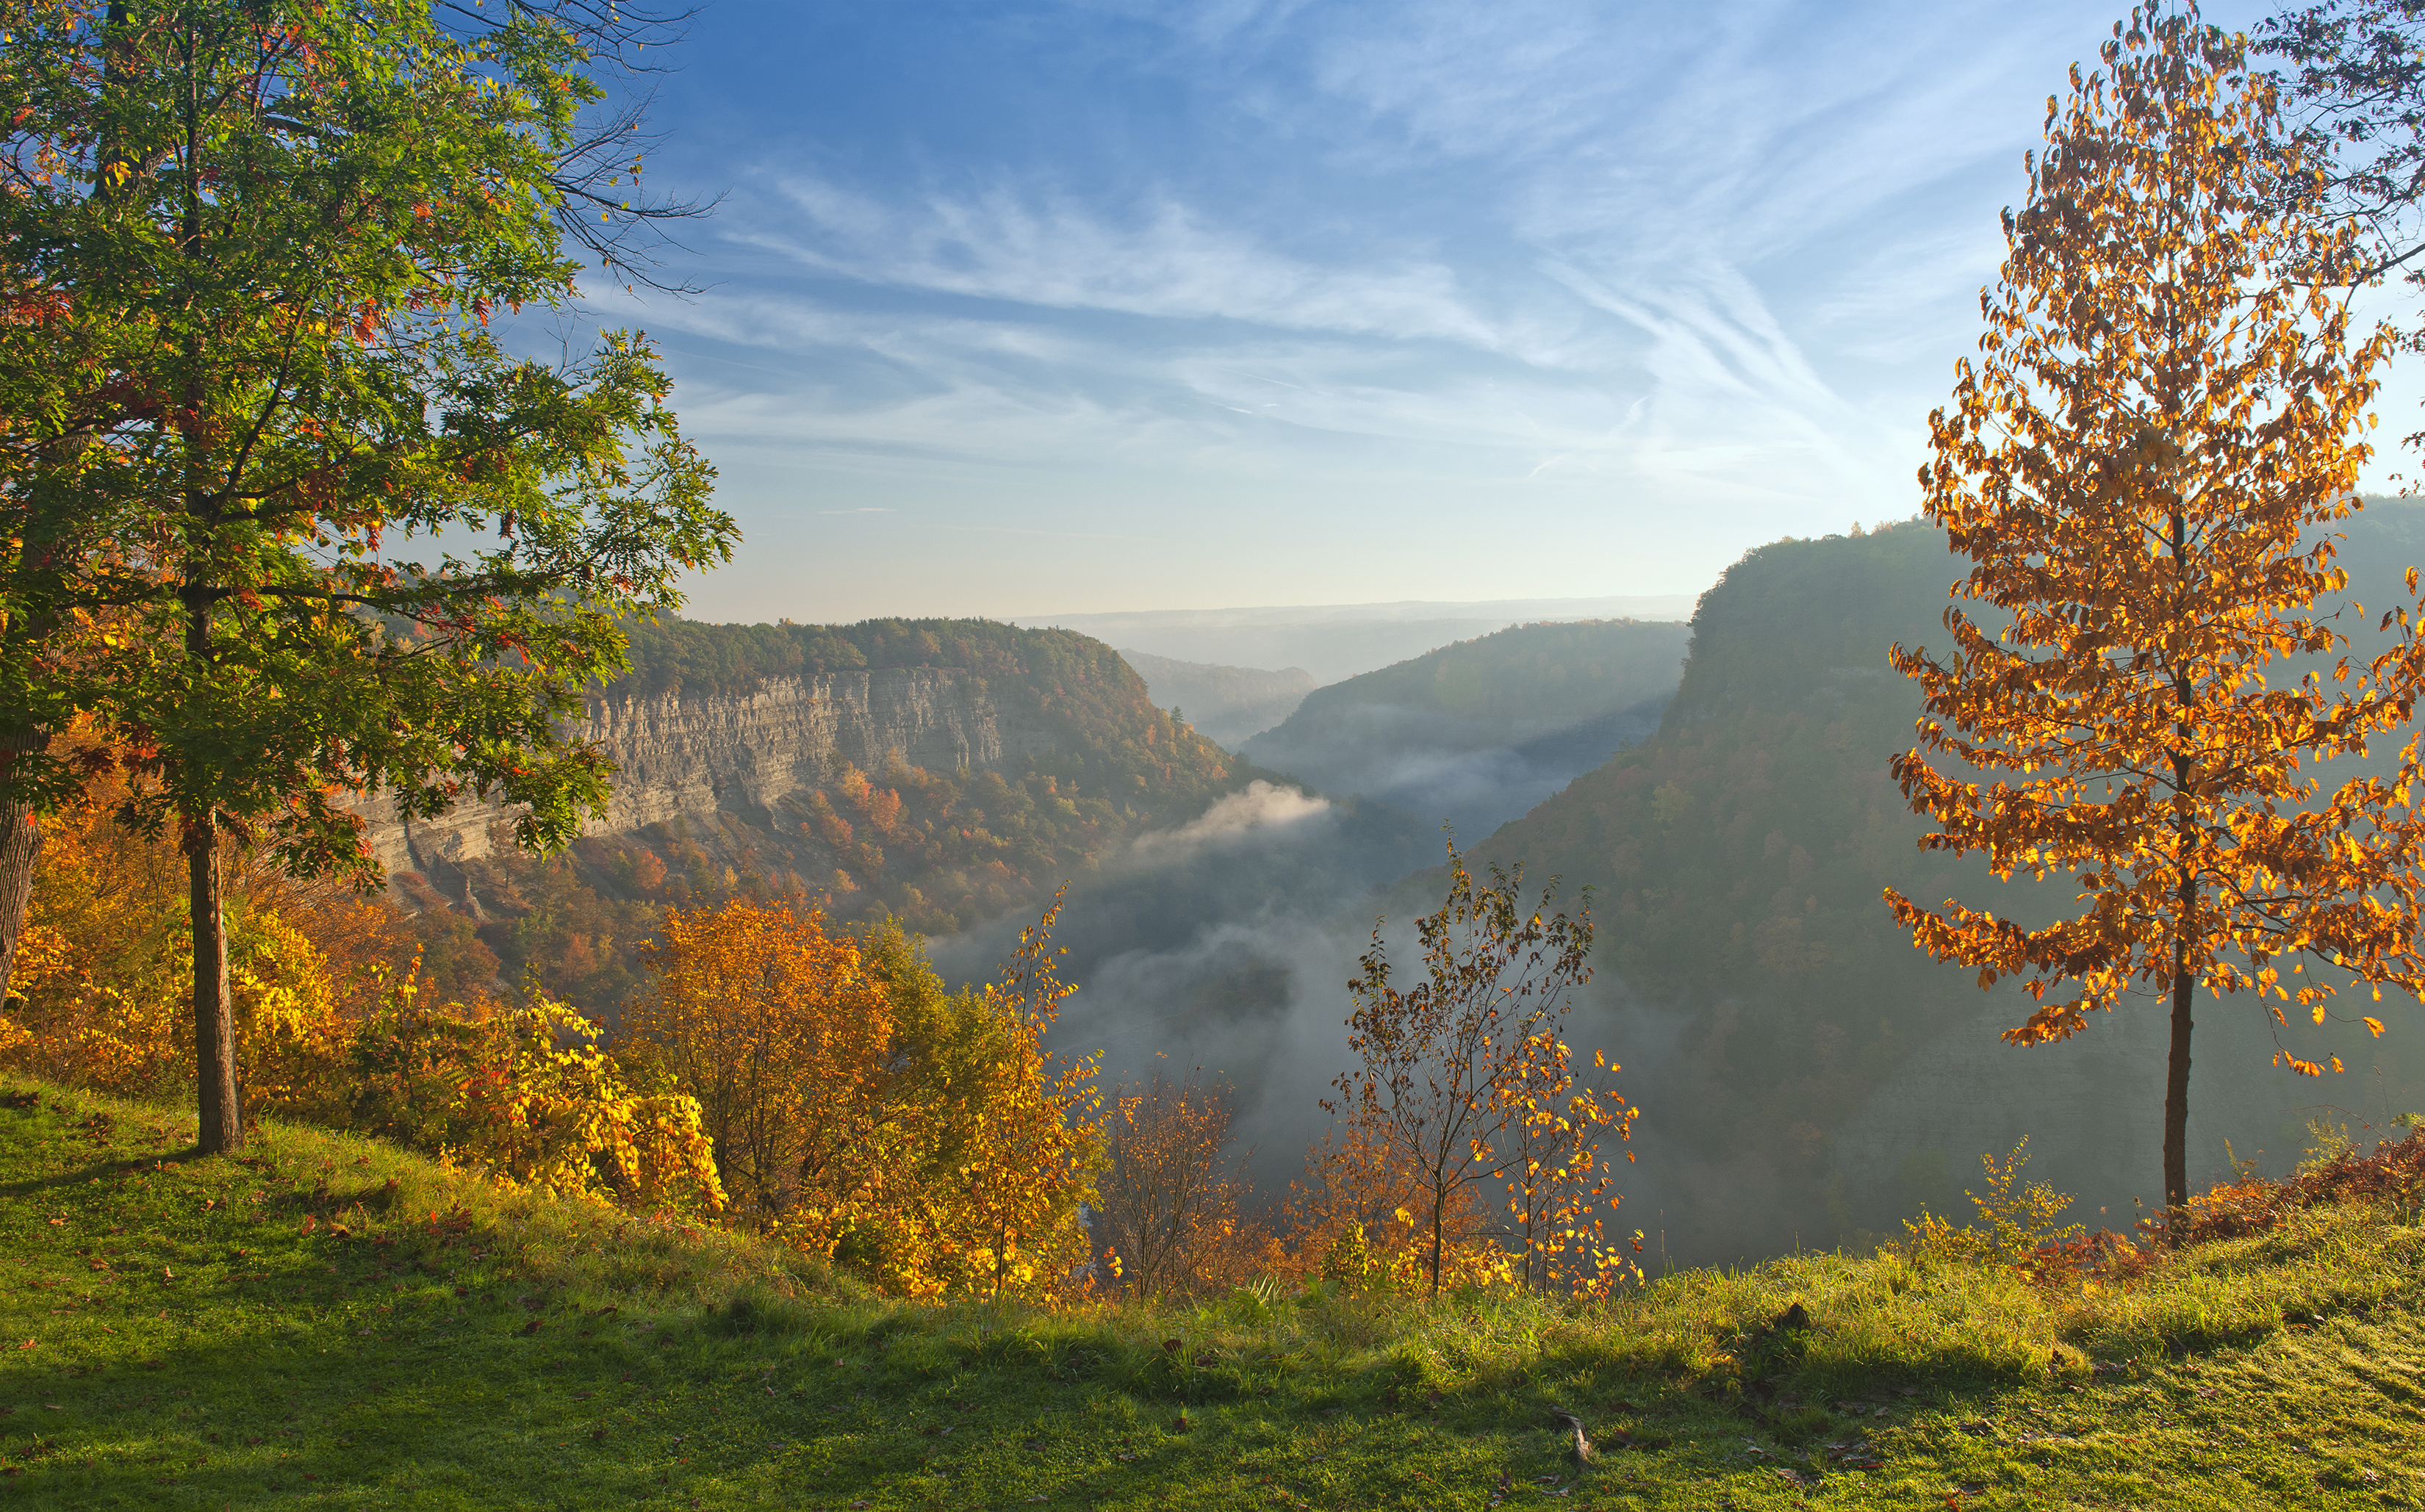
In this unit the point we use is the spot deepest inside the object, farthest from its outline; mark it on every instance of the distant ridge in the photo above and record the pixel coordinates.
(1225, 704)
(1478, 732)
(1336, 641)
(1618, 606)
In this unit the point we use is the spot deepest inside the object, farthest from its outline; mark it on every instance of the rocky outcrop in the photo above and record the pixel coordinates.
(681, 756)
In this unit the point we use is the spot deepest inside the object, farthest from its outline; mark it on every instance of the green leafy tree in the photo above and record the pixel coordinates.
(274, 235)
(47, 361)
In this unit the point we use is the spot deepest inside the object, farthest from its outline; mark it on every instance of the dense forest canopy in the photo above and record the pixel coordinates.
(1228, 703)
(671, 657)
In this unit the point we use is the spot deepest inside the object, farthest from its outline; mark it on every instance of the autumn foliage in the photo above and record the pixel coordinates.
(98, 998)
(1171, 1218)
(821, 1088)
(2143, 468)
(779, 1032)
(334, 1025)
(1465, 1110)
(925, 1139)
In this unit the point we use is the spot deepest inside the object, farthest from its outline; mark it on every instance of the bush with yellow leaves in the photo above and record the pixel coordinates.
(926, 1139)
(99, 998)
(329, 1023)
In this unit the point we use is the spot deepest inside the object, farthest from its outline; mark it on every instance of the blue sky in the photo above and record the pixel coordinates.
(1021, 308)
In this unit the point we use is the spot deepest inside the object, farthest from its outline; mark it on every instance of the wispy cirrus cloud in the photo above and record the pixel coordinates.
(1165, 261)
(1653, 274)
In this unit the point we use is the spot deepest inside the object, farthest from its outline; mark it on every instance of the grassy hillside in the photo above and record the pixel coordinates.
(329, 1322)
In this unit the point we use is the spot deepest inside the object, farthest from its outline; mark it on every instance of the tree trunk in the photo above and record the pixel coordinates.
(2176, 1090)
(2177, 1069)
(222, 1120)
(20, 842)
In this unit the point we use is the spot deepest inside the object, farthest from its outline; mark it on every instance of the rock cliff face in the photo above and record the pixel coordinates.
(743, 753)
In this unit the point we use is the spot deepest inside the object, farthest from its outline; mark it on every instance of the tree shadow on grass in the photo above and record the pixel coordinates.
(86, 1175)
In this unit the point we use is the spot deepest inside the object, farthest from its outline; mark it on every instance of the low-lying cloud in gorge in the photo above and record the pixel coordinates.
(1258, 807)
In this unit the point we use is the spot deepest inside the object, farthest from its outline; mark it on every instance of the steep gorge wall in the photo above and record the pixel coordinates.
(679, 756)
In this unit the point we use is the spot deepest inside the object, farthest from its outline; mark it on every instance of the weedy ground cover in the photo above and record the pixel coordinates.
(330, 1322)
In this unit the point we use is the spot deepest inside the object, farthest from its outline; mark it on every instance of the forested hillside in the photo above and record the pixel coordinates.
(1739, 857)
(1227, 703)
(1477, 731)
(937, 850)
(1508, 686)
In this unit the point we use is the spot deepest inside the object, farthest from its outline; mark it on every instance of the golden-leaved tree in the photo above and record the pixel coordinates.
(2143, 467)
(335, 1023)
(1465, 1085)
(999, 1137)
(926, 1139)
(1168, 1211)
(778, 1031)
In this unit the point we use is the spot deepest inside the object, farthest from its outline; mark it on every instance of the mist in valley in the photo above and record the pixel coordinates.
(1228, 943)
(1450, 771)
(1232, 952)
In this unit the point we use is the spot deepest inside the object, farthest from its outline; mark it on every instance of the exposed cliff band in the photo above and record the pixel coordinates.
(743, 752)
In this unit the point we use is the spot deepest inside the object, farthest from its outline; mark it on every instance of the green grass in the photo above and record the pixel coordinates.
(290, 1327)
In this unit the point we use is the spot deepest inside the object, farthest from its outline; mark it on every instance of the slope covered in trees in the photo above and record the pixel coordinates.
(1228, 703)
(1478, 732)
(1508, 686)
(937, 850)
(1754, 973)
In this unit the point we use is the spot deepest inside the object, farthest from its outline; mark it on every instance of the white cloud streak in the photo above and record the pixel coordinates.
(1672, 257)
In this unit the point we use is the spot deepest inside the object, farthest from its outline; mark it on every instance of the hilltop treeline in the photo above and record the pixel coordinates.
(1525, 678)
(673, 656)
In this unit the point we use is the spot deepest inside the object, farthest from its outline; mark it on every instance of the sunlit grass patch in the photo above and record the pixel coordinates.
(197, 1341)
